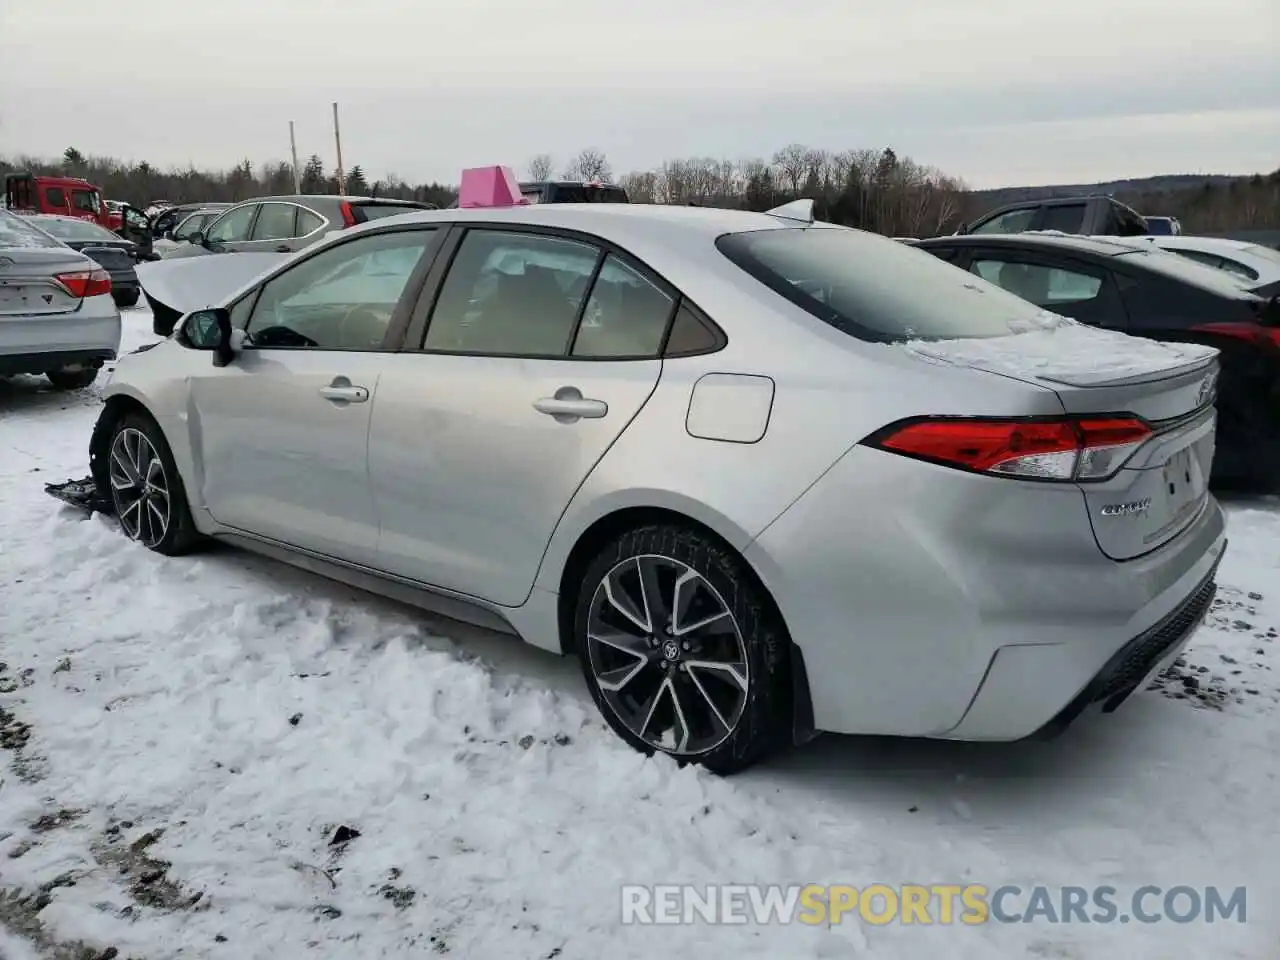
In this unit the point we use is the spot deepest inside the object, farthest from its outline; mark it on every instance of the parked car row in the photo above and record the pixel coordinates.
(1133, 286)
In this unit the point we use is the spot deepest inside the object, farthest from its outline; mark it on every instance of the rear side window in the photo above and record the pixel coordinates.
(874, 288)
(16, 232)
(1183, 269)
(308, 222)
(1064, 217)
(625, 316)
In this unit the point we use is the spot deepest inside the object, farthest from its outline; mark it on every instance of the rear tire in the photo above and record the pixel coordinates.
(695, 661)
(129, 299)
(146, 489)
(69, 379)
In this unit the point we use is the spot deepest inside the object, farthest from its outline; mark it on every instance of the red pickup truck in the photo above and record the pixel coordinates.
(69, 196)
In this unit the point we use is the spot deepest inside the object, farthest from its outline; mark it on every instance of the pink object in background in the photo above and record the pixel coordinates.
(489, 187)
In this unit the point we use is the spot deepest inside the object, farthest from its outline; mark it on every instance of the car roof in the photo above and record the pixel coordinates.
(1099, 246)
(610, 219)
(1183, 241)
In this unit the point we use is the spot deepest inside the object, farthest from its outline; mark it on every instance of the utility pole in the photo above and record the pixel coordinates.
(293, 147)
(337, 140)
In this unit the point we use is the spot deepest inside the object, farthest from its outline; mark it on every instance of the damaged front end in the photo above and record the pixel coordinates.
(92, 493)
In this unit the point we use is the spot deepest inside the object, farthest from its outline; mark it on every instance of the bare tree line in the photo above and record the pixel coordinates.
(866, 188)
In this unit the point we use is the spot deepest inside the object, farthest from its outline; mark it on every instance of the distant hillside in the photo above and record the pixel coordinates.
(1146, 186)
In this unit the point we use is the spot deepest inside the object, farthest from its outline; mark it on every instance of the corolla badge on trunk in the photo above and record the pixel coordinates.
(1129, 509)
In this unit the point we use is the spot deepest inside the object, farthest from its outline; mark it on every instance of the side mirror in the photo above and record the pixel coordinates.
(211, 330)
(197, 238)
(962, 229)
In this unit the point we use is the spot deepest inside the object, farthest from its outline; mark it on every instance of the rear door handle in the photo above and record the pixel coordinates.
(569, 405)
(341, 392)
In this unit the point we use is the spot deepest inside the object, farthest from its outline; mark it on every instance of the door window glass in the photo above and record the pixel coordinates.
(275, 222)
(1064, 217)
(233, 226)
(340, 299)
(1015, 221)
(1045, 286)
(626, 315)
(55, 197)
(513, 294)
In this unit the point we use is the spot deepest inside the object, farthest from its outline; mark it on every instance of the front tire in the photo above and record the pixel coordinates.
(146, 489)
(72, 378)
(682, 650)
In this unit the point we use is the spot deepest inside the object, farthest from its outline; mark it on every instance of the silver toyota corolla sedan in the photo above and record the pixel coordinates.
(764, 476)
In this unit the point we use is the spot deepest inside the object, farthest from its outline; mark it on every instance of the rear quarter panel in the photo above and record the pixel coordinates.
(830, 391)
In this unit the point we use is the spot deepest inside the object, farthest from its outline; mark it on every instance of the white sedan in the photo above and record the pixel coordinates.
(1255, 265)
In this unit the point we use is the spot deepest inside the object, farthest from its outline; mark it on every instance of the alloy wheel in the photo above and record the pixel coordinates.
(667, 654)
(139, 487)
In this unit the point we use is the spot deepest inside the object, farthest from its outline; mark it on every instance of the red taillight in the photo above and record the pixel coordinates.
(1252, 332)
(1065, 449)
(348, 215)
(85, 283)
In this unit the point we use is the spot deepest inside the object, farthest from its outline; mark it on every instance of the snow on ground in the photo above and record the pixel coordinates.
(185, 740)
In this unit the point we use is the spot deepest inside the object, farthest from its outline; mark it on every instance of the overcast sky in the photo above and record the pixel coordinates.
(999, 92)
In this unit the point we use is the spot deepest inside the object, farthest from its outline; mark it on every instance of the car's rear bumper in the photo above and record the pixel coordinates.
(37, 344)
(930, 602)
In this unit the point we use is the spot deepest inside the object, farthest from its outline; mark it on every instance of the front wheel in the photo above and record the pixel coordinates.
(682, 651)
(146, 490)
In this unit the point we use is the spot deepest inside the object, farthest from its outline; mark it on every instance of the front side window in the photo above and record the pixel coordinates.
(512, 294)
(86, 201)
(626, 315)
(275, 222)
(1015, 221)
(55, 196)
(191, 226)
(340, 299)
(233, 226)
(872, 287)
(1045, 286)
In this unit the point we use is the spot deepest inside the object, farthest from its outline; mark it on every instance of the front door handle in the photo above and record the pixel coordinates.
(283, 248)
(568, 405)
(341, 392)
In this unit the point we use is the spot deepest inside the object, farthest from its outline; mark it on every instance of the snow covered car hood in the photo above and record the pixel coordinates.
(1060, 350)
(198, 282)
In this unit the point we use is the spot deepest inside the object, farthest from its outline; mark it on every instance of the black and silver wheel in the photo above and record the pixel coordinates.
(146, 490)
(681, 650)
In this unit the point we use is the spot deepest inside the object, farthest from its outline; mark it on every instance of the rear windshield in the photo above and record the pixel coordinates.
(75, 229)
(581, 193)
(16, 232)
(364, 212)
(1186, 270)
(874, 288)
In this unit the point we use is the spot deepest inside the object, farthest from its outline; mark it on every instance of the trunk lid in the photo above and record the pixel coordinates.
(1171, 386)
(109, 257)
(27, 285)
